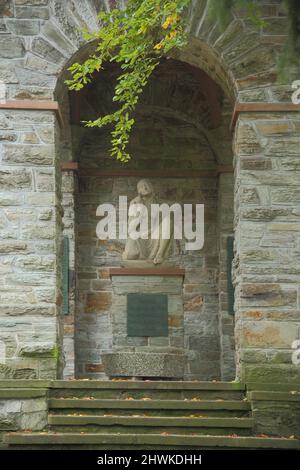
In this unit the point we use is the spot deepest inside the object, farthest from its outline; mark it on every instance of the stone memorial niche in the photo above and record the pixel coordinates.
(147, 293)
(152, 307)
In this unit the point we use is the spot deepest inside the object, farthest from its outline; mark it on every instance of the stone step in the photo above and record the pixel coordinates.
(219, 408)
(273, 387)
(147, 385)
(153, 425)
(150, 404)
(293, 396)
(138, 394)
(143, 441)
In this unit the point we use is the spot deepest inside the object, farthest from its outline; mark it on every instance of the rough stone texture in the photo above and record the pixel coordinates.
(267, 271)
(226, 320)
(20, 412)
(30, 224)
(276, 413)
(128, 364)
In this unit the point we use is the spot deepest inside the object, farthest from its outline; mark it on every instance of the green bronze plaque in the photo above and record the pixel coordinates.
(147, 315)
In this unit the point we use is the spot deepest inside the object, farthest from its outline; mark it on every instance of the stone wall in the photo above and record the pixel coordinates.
(226, 318)
(267, 244)
(30, 224)
(22, 408)
(69, 188)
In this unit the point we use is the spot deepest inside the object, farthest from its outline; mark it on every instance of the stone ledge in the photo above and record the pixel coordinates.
(34, 105)
(170, 272)
(147, 385)
(262, 108)
(155, 439)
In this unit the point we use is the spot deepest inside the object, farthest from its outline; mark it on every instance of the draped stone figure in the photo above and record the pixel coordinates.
(146, 248)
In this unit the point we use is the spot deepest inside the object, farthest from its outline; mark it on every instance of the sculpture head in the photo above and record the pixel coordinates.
(145, 188)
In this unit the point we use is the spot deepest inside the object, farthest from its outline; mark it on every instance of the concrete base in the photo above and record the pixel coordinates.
(127, 364)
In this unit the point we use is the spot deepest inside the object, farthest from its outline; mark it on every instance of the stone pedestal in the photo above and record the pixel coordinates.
(149, 364)
(146, 356)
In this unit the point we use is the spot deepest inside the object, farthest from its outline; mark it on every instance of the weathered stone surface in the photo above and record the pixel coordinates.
(12, 247)
(45, 180)
(7, 75)
(47, 51)
(37, 63)
(14, 310)
(268, 334)
(6, 8)
(97, 303)
(246, 43)
(143, 365)
(284, 147)
(32, 12)
(54, 35)
(37, 349)
(275, 373)
(258, 60)
(34, 79)
(34, 154)
(268, 128)
(256, 164)
(260, 294)
(32, 2)
(41, 231)
(11, 47)
(285, 195)
(7, 372)
(24, 28)
(35, 263)
(15, 180)
(246, 140)
(249, 196)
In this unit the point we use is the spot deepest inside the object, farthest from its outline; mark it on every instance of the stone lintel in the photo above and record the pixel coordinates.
(262, 108)
(169, 272)
(34, 105)
(73, 166)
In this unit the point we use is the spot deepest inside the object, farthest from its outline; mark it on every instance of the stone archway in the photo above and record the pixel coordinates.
(180, 120)
(266, 145)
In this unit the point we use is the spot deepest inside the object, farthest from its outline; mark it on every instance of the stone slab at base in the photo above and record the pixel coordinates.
(127, 364)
